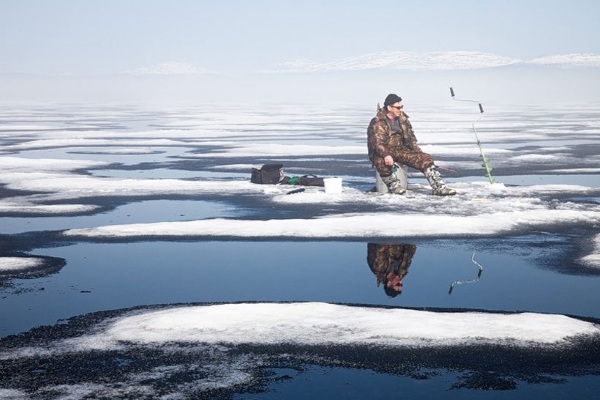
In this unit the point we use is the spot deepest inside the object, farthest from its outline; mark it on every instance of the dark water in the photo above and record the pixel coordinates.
(343, 383)
(101, 276)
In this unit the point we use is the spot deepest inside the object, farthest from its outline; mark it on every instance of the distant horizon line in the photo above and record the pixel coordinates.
(383, 61)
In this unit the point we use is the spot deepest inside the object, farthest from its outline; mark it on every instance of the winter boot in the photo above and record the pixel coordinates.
(393, 184)
(437, 183)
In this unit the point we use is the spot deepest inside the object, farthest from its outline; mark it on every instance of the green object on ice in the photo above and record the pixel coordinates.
(486, 164)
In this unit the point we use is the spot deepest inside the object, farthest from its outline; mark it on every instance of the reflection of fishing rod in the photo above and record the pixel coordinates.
(469, 281)
(486, 165)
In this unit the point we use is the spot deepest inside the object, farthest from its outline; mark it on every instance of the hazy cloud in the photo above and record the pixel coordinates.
(171, 68)
(569, 60)
(450, 60)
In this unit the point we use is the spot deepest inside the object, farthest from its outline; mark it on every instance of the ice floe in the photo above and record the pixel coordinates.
(15, 264)
(321, 324)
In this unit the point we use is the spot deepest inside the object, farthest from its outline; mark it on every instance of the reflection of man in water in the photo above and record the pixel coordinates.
(389, 263)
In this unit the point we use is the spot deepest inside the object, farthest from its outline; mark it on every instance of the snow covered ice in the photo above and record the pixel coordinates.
(482, 209)
(73, 189)
(204, 340)
(319, 323)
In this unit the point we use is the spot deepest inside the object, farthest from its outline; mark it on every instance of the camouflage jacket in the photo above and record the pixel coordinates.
(385, 258)
(381, 139)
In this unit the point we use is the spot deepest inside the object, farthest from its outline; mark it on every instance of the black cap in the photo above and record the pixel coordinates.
(392, 99)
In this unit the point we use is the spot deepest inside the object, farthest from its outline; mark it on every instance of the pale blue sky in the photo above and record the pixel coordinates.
(113, 36)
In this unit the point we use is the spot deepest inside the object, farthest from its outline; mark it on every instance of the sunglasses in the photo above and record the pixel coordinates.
(397, 107)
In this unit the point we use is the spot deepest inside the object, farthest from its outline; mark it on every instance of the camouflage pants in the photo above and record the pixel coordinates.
(414, 159)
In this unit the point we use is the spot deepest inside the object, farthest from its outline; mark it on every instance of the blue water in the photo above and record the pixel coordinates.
(103, 276)
(345, 383)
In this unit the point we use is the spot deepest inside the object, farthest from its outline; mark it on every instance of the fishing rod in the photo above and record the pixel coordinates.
(486, 164)
(475, 280)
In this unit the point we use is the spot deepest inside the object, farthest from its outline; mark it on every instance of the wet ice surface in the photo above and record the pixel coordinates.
(148, 218)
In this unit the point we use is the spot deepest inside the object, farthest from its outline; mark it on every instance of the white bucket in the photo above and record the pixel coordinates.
(333, 185)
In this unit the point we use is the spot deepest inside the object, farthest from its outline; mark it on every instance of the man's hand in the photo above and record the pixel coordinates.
(388, 160)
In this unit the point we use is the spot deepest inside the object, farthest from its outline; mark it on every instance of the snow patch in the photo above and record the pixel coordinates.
(593, 259)
(12, 264)
(325, 324)
(351, 225)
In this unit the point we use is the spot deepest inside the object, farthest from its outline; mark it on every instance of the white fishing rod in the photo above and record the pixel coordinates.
(486, 164)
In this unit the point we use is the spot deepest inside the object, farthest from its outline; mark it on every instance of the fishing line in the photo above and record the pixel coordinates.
(475, 280)
(486, 164)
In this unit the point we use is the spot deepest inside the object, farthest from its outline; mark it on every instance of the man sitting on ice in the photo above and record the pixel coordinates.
(391, 140)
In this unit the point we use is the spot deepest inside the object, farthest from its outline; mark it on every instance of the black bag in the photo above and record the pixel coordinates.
(310, 180)
(268, 174)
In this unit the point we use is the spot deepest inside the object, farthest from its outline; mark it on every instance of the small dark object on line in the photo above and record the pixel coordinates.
(296, 191)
